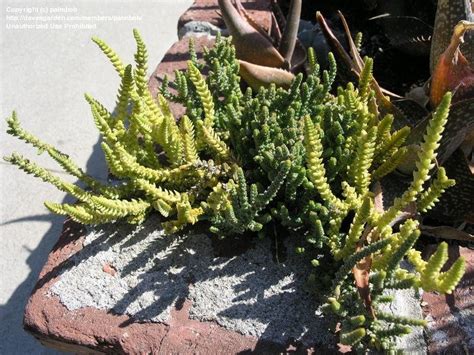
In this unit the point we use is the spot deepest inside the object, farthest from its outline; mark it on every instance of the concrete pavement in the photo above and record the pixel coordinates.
(47, 64)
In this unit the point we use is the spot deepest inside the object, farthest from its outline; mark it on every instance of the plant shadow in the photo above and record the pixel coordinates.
(248, 292)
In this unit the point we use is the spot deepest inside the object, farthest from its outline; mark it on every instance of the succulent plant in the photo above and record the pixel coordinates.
(451, 71)
(302, 160)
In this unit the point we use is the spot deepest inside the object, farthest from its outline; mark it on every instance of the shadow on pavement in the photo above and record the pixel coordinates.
(14, 340)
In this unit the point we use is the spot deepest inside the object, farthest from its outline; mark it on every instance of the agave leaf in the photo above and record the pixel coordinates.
(249, 18)
(448, 14)
(258, 75)
(288, 40)
(453, 72)
(250, 45)
(407, 33)
(298, 57)
(278, 21)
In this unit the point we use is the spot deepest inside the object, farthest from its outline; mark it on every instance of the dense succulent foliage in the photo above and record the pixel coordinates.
(302, 159)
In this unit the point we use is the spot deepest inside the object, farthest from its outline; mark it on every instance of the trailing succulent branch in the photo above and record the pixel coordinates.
(140, 127)
(373, 240)
(305, 159)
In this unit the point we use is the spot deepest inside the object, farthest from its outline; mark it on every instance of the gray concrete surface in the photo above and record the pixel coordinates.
(44, 74)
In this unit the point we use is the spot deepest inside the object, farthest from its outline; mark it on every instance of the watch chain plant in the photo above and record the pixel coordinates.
(301, 159)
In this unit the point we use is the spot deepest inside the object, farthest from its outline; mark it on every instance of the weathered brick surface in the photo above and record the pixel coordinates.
(89, 330)
(451, 317)
(208, 11)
